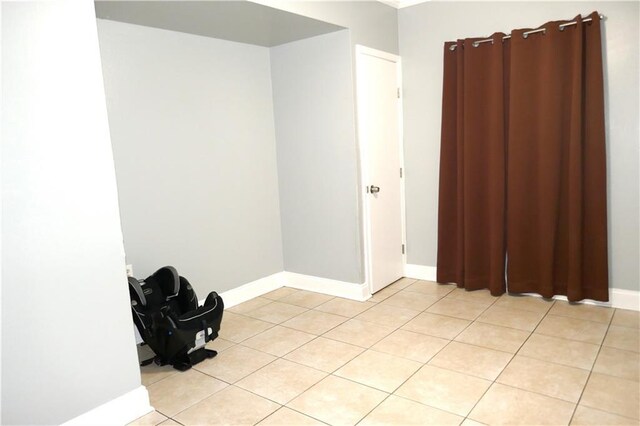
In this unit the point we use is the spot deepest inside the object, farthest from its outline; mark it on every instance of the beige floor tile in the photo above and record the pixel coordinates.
(436, 325)
(359, 333)
(315, 322)
(473, 360)
(170, 422)
(306, 299)
(555, 380)
(469, 422)
(510, 406)
(281, 381)
(623, 338)
(618, 363)
(379, 370)
(457, 308)
(626, 318)
(525, 303)
(430, 288)
(403, 283)
(278, 340)
(249, 305)
(344, 307)
(572, 329)
(178, 392)
(411, 300)
(151, 419)
(219, 344)
(444, 389)
(153, 373)
(392, 316)
(324, 354)
(585, 416)
(280, 293)
(383, 294)
(338, 401)
(276, 312)
(493, 337)
(287, 417)
(480, 297)
(612, 394)
(560, 351)
(399, 411)
(237, 328)
(582, 311)
(414, 346)
(231, 406)
(234, 363)
(513, 318)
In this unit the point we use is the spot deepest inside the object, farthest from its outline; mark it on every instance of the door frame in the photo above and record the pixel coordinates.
(362, 157)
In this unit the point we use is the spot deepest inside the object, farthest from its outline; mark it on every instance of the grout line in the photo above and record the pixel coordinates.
(595, 360)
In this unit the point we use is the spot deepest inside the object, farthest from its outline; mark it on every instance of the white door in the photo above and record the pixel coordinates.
(381, 158)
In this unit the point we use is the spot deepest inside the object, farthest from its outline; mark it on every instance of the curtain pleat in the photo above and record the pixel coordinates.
(522, 164)
(471, 242)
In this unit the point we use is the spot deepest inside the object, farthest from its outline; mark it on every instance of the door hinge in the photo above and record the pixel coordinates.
(403, 249)
(400, 171)
(398, 93)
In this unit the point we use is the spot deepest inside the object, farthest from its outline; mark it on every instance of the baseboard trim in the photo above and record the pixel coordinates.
(248, 291)
(618, 298)
(119, 411)
(625, 299)
(420, 272)
(353, 291)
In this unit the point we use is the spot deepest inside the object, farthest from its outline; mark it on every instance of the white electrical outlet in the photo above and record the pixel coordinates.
(130, 270)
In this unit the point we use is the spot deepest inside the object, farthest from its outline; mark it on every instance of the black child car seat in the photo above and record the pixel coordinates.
(165, 310)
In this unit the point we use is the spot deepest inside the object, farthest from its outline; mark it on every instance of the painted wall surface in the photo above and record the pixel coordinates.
(67, 341)
(313, 97)
(192, 128)
(423, 30)
(372, 24)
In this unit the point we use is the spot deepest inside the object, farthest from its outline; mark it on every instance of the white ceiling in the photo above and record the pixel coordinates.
(239, 21)
(399, 4)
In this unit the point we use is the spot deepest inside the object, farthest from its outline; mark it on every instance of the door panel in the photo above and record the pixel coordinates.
(379, 138)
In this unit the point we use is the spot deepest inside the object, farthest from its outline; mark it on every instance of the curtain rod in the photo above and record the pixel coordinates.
(526, 34)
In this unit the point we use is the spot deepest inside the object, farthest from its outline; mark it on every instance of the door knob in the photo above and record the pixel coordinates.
(374, 189)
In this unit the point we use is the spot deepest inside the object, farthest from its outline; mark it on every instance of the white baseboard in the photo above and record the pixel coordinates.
(119, 411)
(248, 291)
(420, 272)
(624, 299)
(618, 298)
(343, 289)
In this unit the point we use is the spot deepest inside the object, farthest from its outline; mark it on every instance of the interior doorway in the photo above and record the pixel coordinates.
(382, 170)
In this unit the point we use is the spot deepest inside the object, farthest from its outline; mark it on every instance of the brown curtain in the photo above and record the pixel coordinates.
(522, 167)
(557, 208)
(471, 217)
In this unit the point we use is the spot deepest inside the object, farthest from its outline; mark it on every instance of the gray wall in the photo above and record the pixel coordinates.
(67, 341)
(424, 29)
(372, 23)
(313, 96)
(192, 128)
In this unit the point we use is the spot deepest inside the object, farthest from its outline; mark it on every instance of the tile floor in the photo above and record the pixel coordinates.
(415, 353)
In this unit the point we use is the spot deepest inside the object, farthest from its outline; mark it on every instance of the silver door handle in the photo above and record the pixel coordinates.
(374, 189)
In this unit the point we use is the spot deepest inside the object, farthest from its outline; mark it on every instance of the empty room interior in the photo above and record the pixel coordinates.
(396, 212)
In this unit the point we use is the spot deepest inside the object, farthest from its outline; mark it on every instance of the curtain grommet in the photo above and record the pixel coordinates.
(475, 44)
(525, 35)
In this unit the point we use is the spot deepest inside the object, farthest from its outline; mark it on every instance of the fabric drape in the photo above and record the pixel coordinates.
(557, 209)
(522, 167)
(471, 220)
